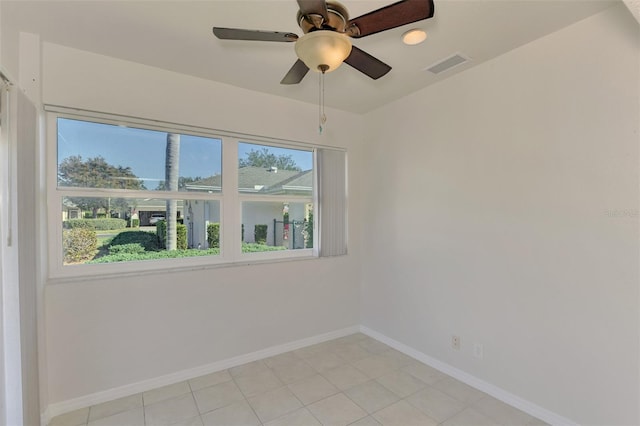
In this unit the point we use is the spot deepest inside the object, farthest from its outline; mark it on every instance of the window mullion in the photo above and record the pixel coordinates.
(231, 214)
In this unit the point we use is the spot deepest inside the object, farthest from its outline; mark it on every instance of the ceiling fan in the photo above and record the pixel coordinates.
(327, 29)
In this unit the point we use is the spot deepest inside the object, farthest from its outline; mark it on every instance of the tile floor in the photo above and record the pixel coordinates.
(354, 380)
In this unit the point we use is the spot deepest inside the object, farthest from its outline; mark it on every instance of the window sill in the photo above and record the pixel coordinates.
(73, 274)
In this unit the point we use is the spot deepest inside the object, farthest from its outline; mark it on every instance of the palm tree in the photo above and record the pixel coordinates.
(172, 161)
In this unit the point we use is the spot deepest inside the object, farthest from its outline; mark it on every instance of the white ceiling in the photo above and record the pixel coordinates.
(176, 35)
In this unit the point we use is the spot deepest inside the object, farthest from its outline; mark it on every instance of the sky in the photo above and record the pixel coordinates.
(144, 150)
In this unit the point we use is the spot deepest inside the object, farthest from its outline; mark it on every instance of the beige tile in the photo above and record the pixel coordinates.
(116, 406)
(436, 404)
(255, 384)
(367, 421)
(133, 417)
(282, 359)
(371, 396)
(209, 380)
(352, 352)
(301, 417)
(398, 358)
(217, 396)
(165, 392)
(171, 411)
(460, 391)
(273, 404)
(403, 414)
(401, 383)
(250, 368)
(74, 418)
(469, 417)
(345, 377)
(237, 414)
(374, 346)
(293, 371)
(325, 361)
(501, 412)
(313, 389)
(337, 410)
(427, 374)
(374, 366)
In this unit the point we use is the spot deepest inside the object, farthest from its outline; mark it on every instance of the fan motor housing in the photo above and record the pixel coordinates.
(338, 19)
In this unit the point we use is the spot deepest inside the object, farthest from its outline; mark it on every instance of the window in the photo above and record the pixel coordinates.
(149, 195)
(275, 186)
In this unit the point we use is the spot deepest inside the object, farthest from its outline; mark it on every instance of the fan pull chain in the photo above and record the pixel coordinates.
(322, 117)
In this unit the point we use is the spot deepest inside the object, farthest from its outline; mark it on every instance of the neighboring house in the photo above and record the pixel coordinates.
(253, 180)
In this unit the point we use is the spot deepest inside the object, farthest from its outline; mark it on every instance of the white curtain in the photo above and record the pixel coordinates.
(332, 200)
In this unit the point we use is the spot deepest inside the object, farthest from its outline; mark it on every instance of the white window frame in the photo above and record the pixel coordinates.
(230, 201)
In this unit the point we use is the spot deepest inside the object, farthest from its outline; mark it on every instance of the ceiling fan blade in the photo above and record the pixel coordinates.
(392, 16)
(296, 73)
(367, 64)
(240, 34)
(312, 9)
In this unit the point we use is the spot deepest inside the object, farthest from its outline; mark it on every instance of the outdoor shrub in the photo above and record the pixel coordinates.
(256, 248)
(213, 235)
(147, 240)
(181, 237)
(79, 244)
(165, 254)
(149, 255)
(308, 231)
(131, 248)
(260, 234)
(161, 232)
(97, 224)
(135, 223)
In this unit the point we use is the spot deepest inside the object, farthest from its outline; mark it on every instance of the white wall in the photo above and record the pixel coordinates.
(521, 176)
(106, 333)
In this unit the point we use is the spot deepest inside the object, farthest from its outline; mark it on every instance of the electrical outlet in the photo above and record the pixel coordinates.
(478, 351)
(455, 342)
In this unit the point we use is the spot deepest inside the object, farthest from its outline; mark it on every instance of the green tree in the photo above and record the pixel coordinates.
(265, 158)
(172, 162)
(96, 173)
(183, 181)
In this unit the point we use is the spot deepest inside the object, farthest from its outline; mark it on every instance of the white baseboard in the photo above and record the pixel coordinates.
(67, 406)
(45, 417)
(496, 392)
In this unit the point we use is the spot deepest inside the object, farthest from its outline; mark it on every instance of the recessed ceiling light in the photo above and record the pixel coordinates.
(414, 36)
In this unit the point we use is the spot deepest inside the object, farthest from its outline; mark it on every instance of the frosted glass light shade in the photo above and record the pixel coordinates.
(323, 47)
(415, 36)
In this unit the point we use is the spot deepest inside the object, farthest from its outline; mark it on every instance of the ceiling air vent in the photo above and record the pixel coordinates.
(448, 63)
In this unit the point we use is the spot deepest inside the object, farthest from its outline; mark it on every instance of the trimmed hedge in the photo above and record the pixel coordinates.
(133, 248)
(181, 235)
(96, 224)
(260, 234)
(79, 244)
(174, 254)
(135, 223)
(256, 248)
(149, 255)
(213, 235)
(147, 240)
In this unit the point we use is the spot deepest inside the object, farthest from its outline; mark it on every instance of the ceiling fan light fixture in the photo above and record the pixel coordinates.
(323, 50)
(414, 36)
